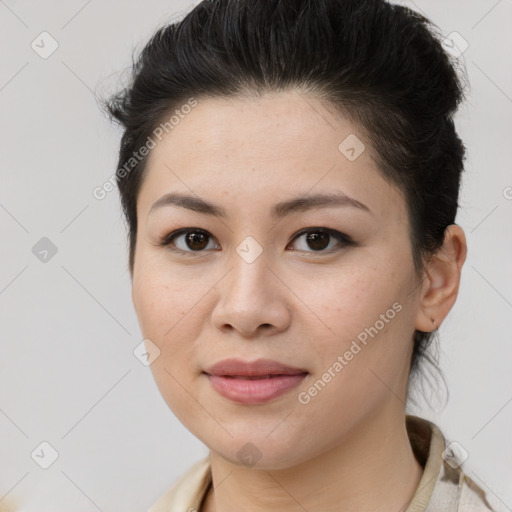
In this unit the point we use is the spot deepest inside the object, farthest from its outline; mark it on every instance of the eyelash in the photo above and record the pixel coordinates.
(344, 239)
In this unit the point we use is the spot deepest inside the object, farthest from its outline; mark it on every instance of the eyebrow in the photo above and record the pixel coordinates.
(279, 210)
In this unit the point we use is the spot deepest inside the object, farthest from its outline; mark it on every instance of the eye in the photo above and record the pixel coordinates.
(319, 239)
(187, 241)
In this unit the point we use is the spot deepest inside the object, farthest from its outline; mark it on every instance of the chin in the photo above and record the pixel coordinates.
(259, 452)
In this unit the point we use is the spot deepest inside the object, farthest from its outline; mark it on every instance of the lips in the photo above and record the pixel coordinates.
(252, 369)
(253, 382)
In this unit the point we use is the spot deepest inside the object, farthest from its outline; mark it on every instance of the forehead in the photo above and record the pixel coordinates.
(269, 127)
(259, 150)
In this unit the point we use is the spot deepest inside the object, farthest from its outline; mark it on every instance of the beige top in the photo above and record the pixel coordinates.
(443, 486)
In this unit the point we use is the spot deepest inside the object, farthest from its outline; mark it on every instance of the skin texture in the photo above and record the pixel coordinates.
(297, 305)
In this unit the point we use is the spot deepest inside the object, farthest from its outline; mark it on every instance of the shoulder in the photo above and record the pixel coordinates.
(456, 491)
(187, 493)
(444, 486)
(472, 497)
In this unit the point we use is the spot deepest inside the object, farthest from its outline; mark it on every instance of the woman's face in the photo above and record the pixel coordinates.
(270, 278)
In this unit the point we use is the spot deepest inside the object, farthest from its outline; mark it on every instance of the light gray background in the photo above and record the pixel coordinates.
(68, 375)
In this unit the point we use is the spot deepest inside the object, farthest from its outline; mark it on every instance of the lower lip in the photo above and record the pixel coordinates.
(254, 391)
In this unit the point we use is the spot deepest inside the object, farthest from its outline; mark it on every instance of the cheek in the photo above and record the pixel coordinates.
(160, 298)
(173, 307)
(350, 299)
(167, 316)
(368, 313)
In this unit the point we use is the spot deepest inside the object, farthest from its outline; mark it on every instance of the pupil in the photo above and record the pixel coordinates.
(318, 240)
(195, 238)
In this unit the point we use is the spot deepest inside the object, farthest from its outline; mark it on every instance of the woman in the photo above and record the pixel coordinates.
(289, 171)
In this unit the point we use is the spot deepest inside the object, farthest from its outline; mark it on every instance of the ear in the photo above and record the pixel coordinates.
(441, 280)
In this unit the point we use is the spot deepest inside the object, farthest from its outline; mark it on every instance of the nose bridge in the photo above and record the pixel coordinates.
(251, 295)
(250, 270)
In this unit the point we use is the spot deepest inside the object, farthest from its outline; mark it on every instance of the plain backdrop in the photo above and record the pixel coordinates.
(68, 375)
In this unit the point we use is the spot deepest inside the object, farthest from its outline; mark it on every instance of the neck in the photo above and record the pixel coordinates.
(373, 469)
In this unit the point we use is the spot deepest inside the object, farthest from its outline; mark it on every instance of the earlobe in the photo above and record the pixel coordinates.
(441, 280)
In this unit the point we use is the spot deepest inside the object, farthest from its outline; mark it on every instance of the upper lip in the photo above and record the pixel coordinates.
(259, 367)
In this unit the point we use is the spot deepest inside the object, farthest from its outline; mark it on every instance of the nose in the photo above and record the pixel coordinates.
(252, 299)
